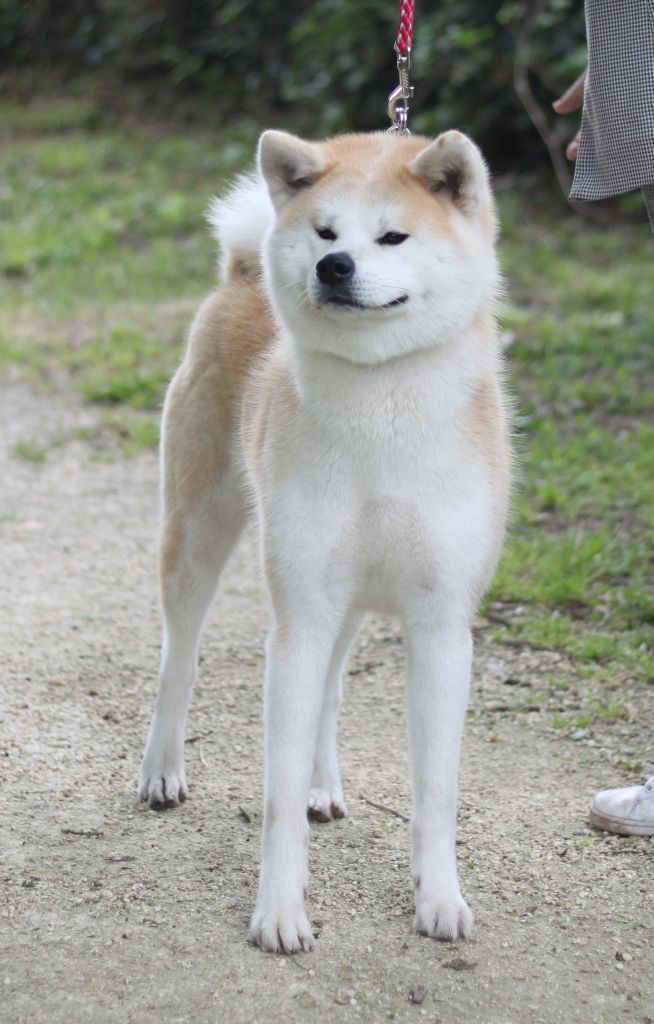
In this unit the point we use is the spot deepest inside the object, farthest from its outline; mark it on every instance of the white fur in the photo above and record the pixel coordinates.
(241, 219)
(369, 496)
(386, 511)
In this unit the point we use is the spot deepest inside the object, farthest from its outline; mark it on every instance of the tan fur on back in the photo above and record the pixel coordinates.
(233, 327)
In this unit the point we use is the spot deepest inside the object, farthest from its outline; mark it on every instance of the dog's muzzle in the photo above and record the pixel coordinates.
(336, 275)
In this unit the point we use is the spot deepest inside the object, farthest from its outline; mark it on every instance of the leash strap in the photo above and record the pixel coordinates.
(404, 38)
(398, 101)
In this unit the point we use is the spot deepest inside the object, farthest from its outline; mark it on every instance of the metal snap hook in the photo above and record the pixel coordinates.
(398, 101)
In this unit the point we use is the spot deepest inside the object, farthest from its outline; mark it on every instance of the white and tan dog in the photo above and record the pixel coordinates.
(345, 384)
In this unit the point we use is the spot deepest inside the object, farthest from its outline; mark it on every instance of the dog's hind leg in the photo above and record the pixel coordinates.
(187, 588)
(203, 513)
(326, 796)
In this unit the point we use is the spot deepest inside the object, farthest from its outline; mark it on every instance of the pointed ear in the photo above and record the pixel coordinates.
(288, 165)
(453, 165)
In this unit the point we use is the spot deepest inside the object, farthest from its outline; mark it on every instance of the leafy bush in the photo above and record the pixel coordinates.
(327, 65)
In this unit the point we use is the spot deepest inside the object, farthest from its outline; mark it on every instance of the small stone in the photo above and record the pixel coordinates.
(417, 994)
(579, 734)
(459, 964)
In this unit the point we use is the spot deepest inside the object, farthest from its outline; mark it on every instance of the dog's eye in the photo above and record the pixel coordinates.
(392, 238)
(326, 233)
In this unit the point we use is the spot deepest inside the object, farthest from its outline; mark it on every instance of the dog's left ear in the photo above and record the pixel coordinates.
(453, 165)
(288, 165)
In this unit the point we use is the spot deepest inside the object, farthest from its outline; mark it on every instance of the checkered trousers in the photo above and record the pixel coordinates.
(616, 147)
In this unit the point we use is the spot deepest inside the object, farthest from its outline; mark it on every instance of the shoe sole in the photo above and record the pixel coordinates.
(621, 826)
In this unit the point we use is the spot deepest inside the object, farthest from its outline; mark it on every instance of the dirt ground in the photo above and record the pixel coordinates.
(113, 913)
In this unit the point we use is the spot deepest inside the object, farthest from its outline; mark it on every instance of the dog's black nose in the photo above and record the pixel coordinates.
(335, 268)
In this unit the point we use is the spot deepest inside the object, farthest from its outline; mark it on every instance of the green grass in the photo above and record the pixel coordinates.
(130, 432)
(30, 452)
(104, 252)
(104, 256)
(578, 563)
(593, 711)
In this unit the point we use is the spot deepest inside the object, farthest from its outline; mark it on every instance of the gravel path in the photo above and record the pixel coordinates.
(113, 913)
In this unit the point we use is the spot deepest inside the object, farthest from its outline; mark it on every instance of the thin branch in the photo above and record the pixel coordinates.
(522, 66)
(521, 69)
(384, 807)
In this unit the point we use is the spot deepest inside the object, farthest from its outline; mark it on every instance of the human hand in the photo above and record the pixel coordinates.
(572, 100)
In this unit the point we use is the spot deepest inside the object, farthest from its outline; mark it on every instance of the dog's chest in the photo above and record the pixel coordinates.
(374, 492)
(390, 535)
(389, 547)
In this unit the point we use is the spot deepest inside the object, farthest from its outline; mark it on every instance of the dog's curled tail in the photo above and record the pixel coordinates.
(240, 222)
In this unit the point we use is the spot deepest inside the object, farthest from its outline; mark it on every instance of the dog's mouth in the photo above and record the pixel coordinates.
(344, 303)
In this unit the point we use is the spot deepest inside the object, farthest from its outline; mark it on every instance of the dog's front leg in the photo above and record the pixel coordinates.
(296, 666)
(439, 673)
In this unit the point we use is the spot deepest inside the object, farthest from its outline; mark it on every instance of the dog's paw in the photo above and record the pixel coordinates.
(324, 807)
(162, 783)
(281, 929)
(444, 916)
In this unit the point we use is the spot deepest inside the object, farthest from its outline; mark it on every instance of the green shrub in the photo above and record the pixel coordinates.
(327, 65)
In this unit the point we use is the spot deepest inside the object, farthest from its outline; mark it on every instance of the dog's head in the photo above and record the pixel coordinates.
(382, 244)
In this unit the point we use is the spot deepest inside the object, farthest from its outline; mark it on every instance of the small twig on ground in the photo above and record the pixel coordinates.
(86, 833)
(200, 736)
(297, 963)
(384, 807)
(496, 617)
(509, 642)
(201, 755)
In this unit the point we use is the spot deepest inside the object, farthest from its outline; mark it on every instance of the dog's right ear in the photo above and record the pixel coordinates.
(288, 165)
(454, 166)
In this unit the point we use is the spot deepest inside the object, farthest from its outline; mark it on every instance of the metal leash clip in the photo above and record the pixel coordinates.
(398, 101)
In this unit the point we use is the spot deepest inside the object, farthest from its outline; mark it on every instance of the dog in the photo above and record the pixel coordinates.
(345, 387)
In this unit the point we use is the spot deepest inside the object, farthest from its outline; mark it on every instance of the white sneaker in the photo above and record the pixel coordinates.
(628, 811)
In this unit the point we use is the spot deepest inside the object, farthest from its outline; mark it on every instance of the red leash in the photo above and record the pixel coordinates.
(398, 101)
(404, 38)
